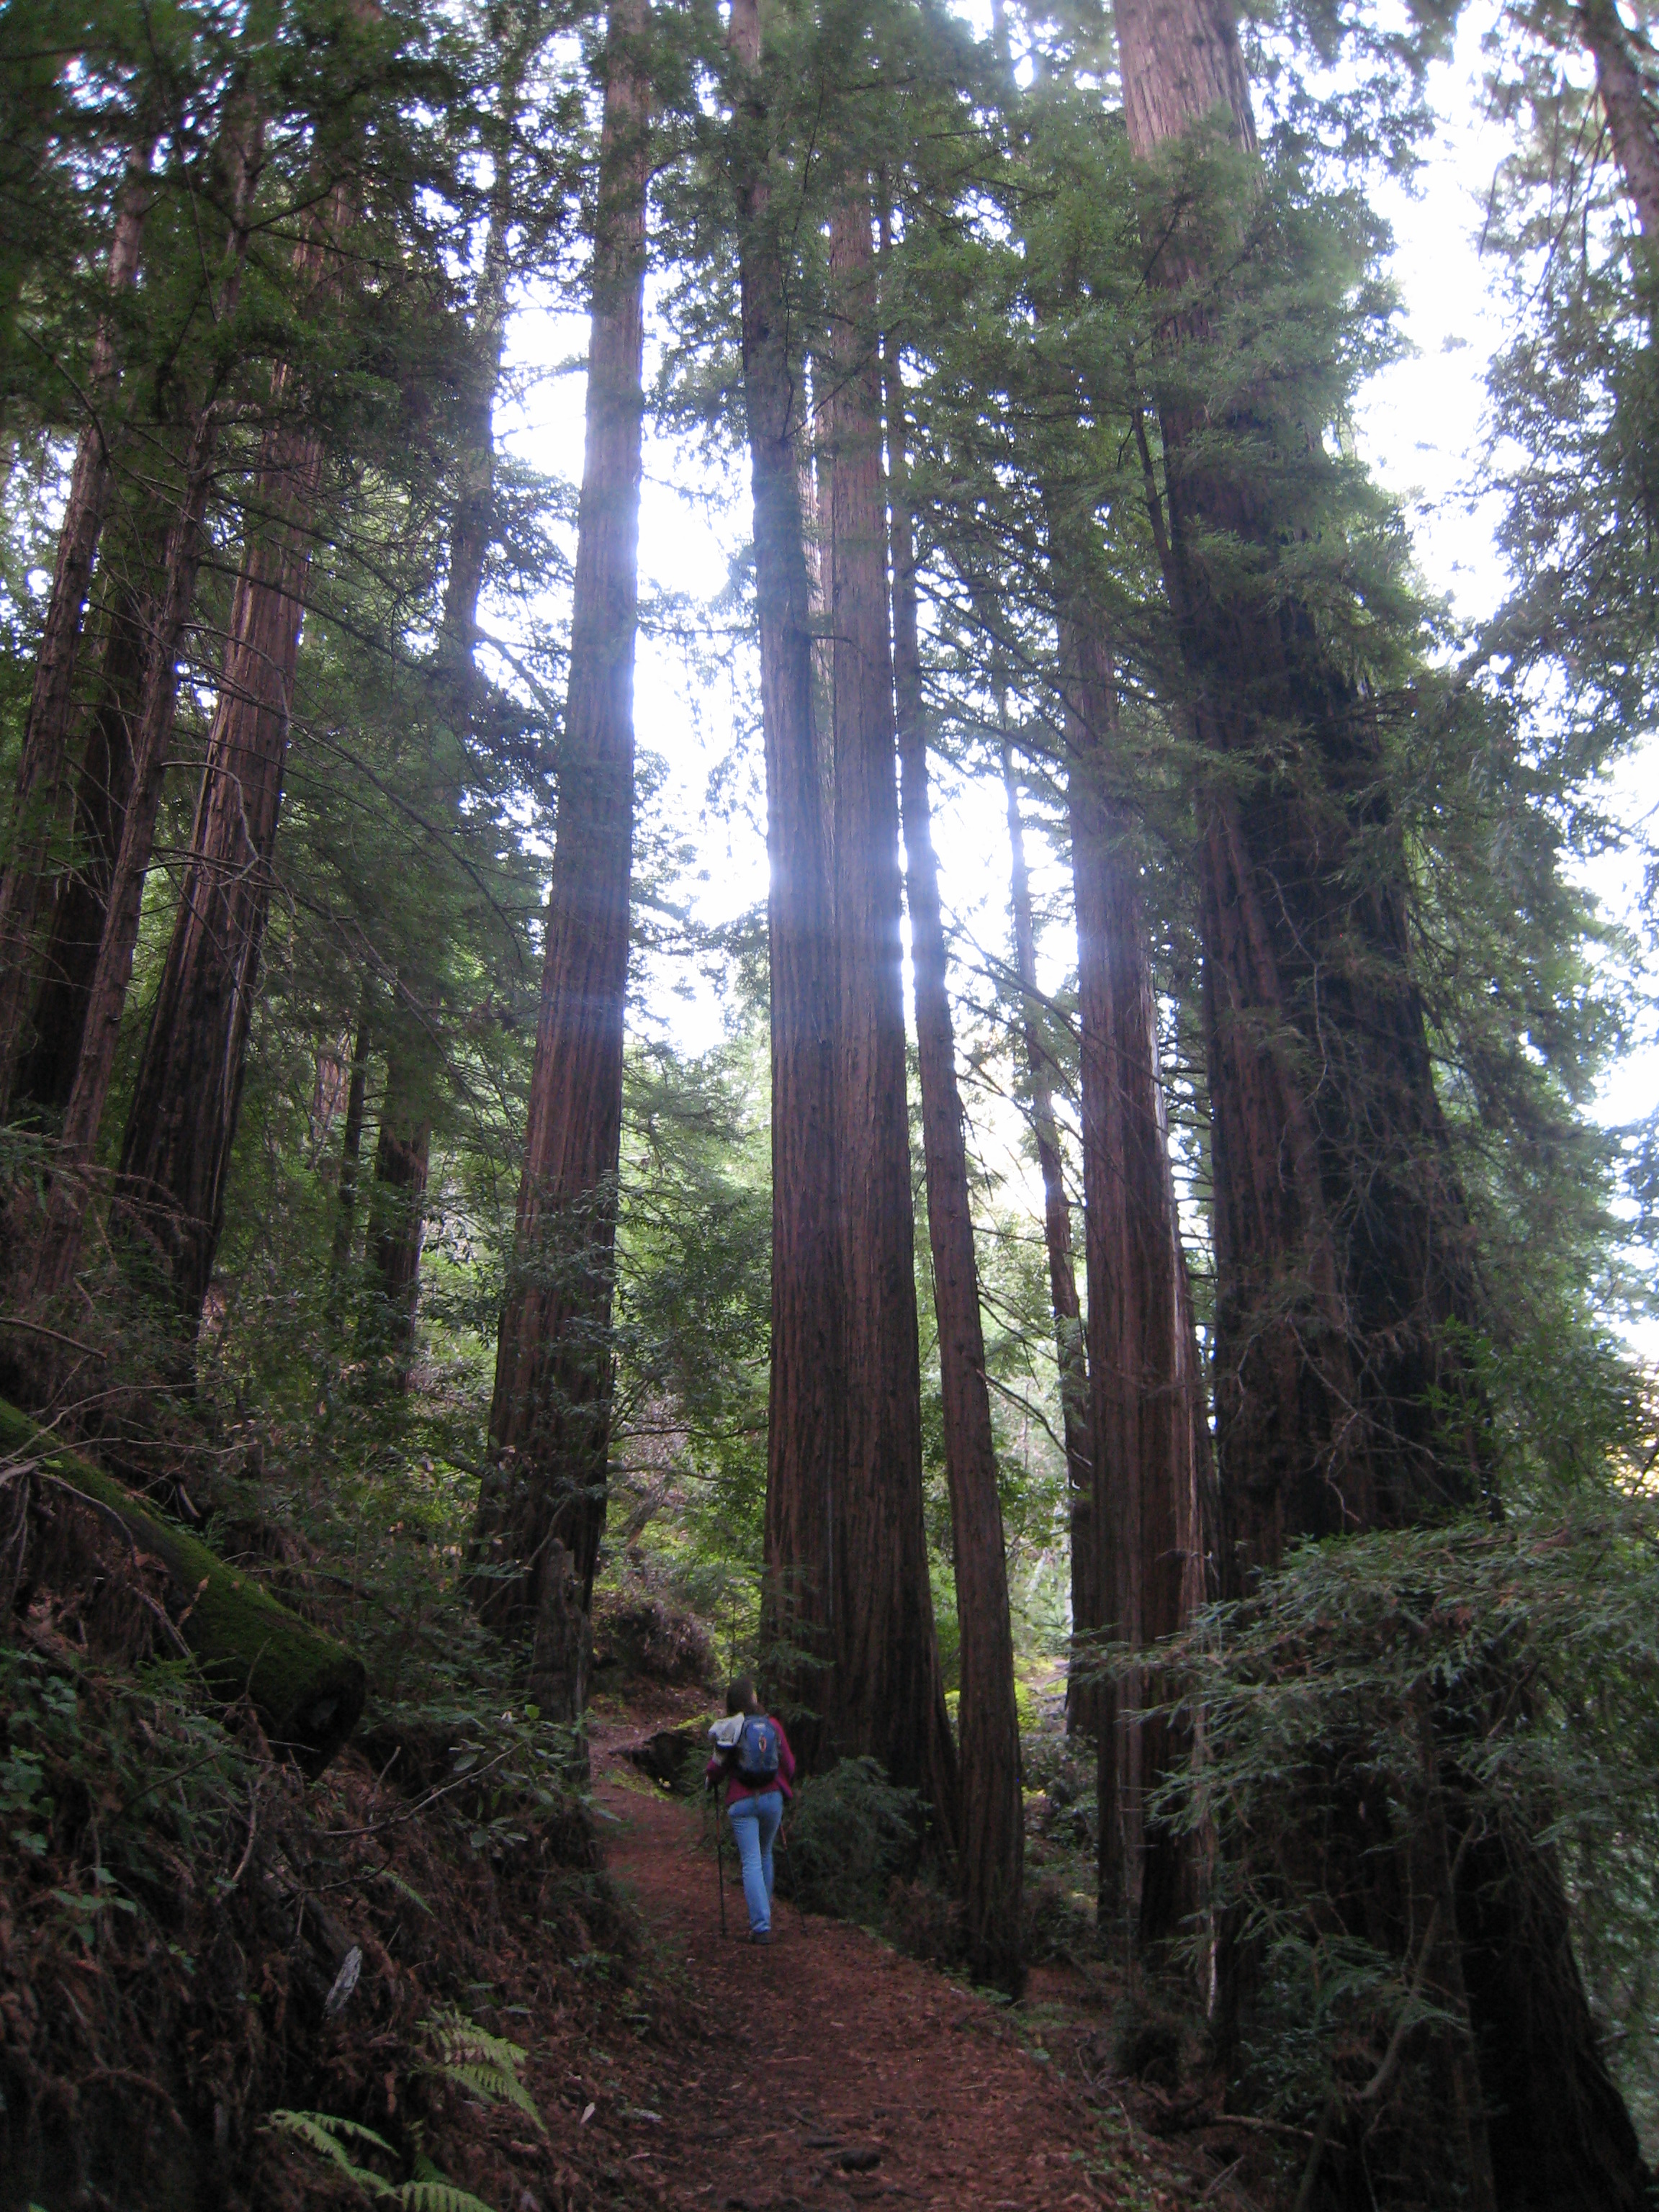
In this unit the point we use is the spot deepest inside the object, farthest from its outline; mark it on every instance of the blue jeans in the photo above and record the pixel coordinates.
(754, 1824)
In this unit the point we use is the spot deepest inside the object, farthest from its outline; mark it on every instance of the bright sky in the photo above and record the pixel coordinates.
(1419, 426)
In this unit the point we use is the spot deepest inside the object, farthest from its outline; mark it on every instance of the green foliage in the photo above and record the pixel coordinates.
(1502, 1677)
(487, 2065)
(852, 1835)
(329, 2136)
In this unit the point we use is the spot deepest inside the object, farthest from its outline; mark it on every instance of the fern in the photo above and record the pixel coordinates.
(328, 2135)
(438, 2197)
(484, 2064)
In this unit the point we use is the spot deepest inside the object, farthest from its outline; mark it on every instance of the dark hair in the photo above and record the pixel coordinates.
(740, 1698)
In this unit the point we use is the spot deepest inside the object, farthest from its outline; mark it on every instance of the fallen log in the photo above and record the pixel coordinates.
(667, 1756)
(307, 1688)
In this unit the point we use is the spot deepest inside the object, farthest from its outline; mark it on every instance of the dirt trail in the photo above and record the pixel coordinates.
(837, 2072)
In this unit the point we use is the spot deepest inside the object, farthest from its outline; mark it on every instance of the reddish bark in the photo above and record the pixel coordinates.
(182, 1122)
(549, 1420)
(1626, 91)
(351, 1150)
(891, 1698)
(81, 899)
(1143, 1366)
(404, 1149)
(1071, 1351)
(805, 1399)
(58, 1248)
(1342, 1244)
(396, 1223)
(991, 1847)
(50, 727)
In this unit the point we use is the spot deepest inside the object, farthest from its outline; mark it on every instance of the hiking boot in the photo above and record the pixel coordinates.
(760, 1935)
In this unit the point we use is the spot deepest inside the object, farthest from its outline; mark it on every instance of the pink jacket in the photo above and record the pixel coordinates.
(736, 1787)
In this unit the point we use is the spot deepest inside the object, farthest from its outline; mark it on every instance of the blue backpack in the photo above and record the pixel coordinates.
(757, 1750)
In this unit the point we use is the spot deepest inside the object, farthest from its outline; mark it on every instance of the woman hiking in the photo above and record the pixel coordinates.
(752, 1754)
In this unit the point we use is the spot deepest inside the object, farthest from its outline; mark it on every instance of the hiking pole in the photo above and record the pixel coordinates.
(719, 1868)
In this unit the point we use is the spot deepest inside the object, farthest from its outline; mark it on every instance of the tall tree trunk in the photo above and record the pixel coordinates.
(49, 726)
(890, 1694)
(403, 1151)
(57, 1250)
(991, 1847)
(805, 1439)
(1071, 1353)
(1626, 91)
(175, 1156)
(1343, 1281)
(397, 1222)
(1143, 1366)
(550, 1422)
(182, 1123)
(352, 1150)
(103, 784)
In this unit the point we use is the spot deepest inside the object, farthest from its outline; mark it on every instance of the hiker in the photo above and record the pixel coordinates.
(752, 1754)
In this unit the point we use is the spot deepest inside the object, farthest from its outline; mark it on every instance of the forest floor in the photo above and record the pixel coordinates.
(833, 2071)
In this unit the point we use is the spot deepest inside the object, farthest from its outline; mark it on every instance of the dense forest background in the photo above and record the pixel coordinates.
(1101, 1265)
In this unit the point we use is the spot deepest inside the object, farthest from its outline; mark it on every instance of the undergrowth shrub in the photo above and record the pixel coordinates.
(1497, 1684)
(644, 1632)
(925, 1923)
(1059, 1927)
(192, 1938)
(853, 1834)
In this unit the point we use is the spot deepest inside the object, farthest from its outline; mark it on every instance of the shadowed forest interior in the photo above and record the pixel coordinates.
(990, 1109)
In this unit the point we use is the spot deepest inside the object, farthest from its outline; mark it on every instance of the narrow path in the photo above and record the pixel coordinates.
(837, 2072)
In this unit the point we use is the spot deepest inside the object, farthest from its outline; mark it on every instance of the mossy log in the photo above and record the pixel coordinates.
(307, 1688)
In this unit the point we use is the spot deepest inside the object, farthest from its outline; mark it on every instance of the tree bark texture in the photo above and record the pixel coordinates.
(890, 1697)
(98, 1004)
(403, 1151)
(990, 1849)
(351, 1151)
(1343, 1256)
(1071, 1353)
(1341, 1242)
(57, 1248)
(49, 729)
(81, 898)
(1146, 1381)
(805, 1401)
(181, 1125)
(176, 1153)
(397, 1222)
(1627, 92)
(550, 1420)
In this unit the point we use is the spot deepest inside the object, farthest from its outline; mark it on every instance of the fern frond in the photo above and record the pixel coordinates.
(492, 2084)
(487, 2065)
(438, 2197)
(328, 2135)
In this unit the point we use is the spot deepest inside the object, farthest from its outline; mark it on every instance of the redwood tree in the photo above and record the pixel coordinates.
(805, 1399)
(991, 1846)
(1147, 1385)
(1344, 1291)
(1071, 1351)
(99, 1006)
(403, 1147)
(43, 762)
(891, 1698)
(182, 1122)
(81, 898)
(544, 1496)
